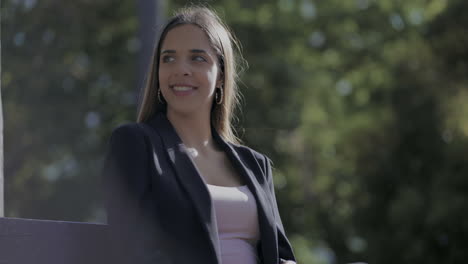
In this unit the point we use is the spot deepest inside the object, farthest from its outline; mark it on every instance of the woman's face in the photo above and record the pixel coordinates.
(188, 70)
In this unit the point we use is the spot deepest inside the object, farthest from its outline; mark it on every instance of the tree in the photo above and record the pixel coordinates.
(347, 100)
(1, 141)
(360, 104)
(68, 79)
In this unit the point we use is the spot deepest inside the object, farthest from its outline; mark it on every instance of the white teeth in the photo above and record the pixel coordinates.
(182, 88)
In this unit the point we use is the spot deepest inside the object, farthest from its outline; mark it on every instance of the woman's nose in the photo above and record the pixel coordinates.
(184, 69)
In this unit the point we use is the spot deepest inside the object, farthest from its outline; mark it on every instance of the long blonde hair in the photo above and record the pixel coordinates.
(224, 43)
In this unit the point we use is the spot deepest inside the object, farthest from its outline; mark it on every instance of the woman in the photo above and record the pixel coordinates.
(179, 188)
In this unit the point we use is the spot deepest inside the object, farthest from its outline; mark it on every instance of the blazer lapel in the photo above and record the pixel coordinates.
(189, 177)
(265, 212)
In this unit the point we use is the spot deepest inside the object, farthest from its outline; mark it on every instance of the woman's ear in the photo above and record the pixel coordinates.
(220, 81)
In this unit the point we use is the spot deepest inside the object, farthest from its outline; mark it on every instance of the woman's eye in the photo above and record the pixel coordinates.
(167, 58)
(198, 58)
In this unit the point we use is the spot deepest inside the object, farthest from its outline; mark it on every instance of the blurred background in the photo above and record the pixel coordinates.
(361, 104)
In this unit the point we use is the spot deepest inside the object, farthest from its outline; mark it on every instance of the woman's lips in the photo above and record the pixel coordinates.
(183, 90)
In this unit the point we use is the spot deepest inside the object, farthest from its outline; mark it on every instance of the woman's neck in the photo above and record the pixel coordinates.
(194, 130)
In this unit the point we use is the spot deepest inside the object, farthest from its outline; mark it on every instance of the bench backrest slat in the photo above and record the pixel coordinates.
(51, 242)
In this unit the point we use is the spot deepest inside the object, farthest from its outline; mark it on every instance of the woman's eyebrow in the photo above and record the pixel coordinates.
(198, 51)
(168, 51)
(192, 51)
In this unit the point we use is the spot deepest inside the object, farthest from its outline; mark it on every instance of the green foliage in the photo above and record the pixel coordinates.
(68, 66)
(360, 104)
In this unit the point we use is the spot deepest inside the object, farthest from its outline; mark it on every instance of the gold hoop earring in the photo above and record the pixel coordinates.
(160, 97)
(219, 98)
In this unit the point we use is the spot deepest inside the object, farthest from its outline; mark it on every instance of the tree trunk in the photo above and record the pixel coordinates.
(2, 210)
(150, 17)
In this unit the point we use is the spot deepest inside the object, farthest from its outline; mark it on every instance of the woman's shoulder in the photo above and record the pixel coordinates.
(245, 149)
(262, 159)
(125, 127)
(130, 130)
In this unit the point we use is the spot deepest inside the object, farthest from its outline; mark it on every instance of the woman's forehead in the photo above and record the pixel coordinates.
(186, 37)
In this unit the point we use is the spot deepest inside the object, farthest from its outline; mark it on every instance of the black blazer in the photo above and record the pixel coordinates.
(159, 209)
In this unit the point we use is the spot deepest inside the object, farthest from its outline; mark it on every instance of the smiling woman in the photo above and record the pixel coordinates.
(180, 187)
(221, 44)
(189, 71)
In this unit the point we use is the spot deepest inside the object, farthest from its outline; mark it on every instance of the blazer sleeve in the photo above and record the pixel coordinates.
(285, 250)
(126, 184)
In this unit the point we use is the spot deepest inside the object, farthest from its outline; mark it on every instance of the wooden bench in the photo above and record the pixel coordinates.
(27, 241)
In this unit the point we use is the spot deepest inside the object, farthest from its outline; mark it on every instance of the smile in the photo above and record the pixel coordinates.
(182, 90)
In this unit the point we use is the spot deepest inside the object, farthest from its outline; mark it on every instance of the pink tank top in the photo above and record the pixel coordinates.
(237, 220)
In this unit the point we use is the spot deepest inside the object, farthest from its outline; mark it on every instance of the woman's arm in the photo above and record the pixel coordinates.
(125, 182)
(285, 250)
